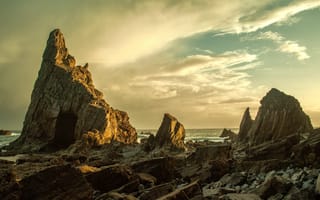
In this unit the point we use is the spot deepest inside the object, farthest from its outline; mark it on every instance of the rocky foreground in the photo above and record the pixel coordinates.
(76, 146)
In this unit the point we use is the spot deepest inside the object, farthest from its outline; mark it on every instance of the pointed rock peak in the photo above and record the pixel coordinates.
(276, 99)
(247, 113)
(169, 116)
(171, 133)
(56, 50)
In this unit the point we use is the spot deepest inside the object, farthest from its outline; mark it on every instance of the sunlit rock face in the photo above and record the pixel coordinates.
(171, 133)
(65, 105)
(279, 116)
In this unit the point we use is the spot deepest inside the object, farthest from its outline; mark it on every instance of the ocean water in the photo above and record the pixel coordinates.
(191, 135)
(6, 139)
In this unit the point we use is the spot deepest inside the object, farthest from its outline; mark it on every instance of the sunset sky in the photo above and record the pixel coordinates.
(203, 61)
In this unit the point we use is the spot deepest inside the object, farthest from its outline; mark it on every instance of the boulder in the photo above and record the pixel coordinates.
(65, 105)
(5, 132)
(211, 152)
(245, 126)
(59, 182)
(279, 116)
(171, 133)
(229, 134)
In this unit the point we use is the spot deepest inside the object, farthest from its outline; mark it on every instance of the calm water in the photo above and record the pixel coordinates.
(191, 134)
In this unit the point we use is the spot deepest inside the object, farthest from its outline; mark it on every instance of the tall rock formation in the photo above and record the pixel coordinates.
(65, 105)
(245, 126)
(279, 116)
(171, 133)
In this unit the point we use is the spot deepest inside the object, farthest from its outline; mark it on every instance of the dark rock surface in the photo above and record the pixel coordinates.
(279, 116)
(245, 126)
(229, 134)
(5, 132)
(171, 133)
(61, 182)
(65, 106)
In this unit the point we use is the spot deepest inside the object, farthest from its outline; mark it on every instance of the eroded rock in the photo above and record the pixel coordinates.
(171, 133)
(65, 105)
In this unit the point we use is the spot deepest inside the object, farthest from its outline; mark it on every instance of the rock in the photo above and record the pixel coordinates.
(317, 190)
(272, 186)
(307, 152)
(171, 133)
(279, 149)
(211, 152)
(110, 177)
(228, 133)
(234, 196)
(245, 126)
(9, 187)
(65, 105)
(85, 169)
(164, 169)
(279, 116)
(5, 132)
(183, 193)
(147, 179)
(150, 143)
(59, 182)
(156, 191)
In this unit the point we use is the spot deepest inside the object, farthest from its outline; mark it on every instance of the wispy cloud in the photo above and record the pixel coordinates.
(286, 46)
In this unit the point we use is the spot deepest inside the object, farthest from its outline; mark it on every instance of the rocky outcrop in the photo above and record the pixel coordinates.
(229, 134)
(59, 182)
(171, 133)
(5, 132)
(245, 126)
(65, 105)
(279, 116)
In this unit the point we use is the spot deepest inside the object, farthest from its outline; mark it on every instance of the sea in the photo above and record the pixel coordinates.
(195, 135)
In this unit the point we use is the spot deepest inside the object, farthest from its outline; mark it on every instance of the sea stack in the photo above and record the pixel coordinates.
(279, 116)
(171, 133)
(245, 126)
(65, 105)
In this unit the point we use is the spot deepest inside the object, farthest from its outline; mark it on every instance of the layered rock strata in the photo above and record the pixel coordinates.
(171, 133)
(65, 105)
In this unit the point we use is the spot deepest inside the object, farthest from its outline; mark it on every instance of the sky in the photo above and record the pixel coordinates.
(203, 61)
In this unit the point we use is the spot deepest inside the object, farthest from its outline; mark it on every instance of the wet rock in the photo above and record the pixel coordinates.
(65, 105)
(59, 182)
(110, 177)
(171, 133)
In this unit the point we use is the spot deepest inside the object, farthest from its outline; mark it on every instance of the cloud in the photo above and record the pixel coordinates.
(128, 44)
(285, 46)
(266, 17)
(238, 100)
